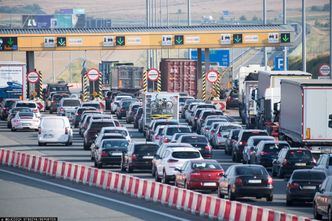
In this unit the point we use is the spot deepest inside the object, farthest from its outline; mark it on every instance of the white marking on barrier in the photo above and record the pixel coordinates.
(233, 209)
(212, 207)
(265, 214)
(186, 202)
(203, 205)
(171, 196)
(222, 208)
(112, 182)
(78, 175)
(194, 203)
(180, 197)
(140, 189)
(156, 192)
(148, 190)
(244, 210)
(254, 213)
(58, 170)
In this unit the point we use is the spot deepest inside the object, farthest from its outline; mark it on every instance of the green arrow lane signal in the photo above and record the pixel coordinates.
(237, 38)
(61, 41)
(178, 40)
(120, 40)
(285, 37)
(10, 42)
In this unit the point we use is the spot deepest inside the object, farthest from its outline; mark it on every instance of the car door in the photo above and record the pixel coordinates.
(183, 173)
(326, 196)
(224, 180)
(162, 162)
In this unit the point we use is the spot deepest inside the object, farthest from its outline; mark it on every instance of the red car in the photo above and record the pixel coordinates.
(199, 175)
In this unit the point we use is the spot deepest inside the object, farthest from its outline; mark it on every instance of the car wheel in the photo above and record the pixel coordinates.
(153, 171)
(156, 177)
(230, 194)
(13, 129)
(164, 178)
(85, 146)
(92, 158)
(269, 198)
(220, 194)
(123, 168)
(99, 165)
(233, 157)
(41, 144)
(316, 214)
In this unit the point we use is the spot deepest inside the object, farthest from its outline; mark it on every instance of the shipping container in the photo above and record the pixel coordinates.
(126, 77)
(179, 76)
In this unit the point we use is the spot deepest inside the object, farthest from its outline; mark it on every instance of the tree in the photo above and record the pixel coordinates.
(243, 18)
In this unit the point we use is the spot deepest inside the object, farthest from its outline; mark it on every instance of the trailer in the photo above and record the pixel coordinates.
(247, 103)
(306, 113)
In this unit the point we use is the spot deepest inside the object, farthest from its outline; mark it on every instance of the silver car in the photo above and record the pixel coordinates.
(67, 106)
(220, 136)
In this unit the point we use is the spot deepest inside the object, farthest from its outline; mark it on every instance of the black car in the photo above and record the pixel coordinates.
(303, 184)
(200, 142)
(246, 181)
(139, 156)
(110, 152)
(78, 114)
(290, 159)
(323, 200)
(268, 150)
(5, 106)
(137, 116)
(232, 100)
(237, 152)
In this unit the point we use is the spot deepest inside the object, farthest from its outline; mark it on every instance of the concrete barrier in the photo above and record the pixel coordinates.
(182, 199)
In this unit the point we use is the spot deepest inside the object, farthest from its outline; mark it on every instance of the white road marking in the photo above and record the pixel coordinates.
(93, 195)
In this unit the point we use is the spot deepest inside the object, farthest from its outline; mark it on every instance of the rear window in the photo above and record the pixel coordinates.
(183, 99)
(59, 97)
(99, 125)
(228, 129)
(210, 122)
(71, 103)
(53, 122)
(235, 134)
(25, 114)
(29, 105)
(273, 148)
(81, 110)
(146, 148)
(256, 141)
(107, 144)
(171, 131)
(205, 166)
(194, 139)
(305, 175)
(160, 131)
(250, 171)
(165, 123)
(299, 154)
(246, 135)
(96, 105)
(211, 114)
(9, 103)
(206, 106)
(123, 132)
(186, 155)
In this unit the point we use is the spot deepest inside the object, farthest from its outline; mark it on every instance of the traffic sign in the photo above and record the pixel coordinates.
(61, 41)
(8, 43)
(285, 37)
(93, 74)
(153, 74)
(178, 40)
(279, 64)
(324, 70)
(237, 38)
(212, 76)
(221, 56)
(120, 40)
(33, 77)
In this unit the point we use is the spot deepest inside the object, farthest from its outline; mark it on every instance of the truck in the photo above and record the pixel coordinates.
(268, 96)
(13, 83)
(160, 105)
(126, 77)
(306, 113)
(51, 88)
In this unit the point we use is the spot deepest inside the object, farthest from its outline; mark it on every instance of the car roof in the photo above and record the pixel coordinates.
(25, 101)
(205, 160)
(112, 134)
(177, 126)
(274, 142)
(192, 135)
(260, 137)
(115, 128)
(180, 149)
(90, 102)
(142, 143)
(170, 145)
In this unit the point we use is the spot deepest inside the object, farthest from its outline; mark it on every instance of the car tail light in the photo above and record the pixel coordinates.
(263, 153)
(77, 114)
(4, 108)
(194, 175)
(208, 148)
(269, 180)
(212, 132)
(172, 161)
(104, 154)
(61, 109)
(293, 186)
(156, 137)
(134, 157)
(284, 162)
(238, 181)
(219, 134)
(165, 140)
(66, 130)
(35, 110)
(39, 130)
(243, 142)
(123, 110)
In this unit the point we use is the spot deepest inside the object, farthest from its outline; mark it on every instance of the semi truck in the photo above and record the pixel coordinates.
(160, 105)
(268, 96)
(306, 113)
(12, 80)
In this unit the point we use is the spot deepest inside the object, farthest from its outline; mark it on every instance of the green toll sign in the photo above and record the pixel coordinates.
(8, 43)
(178, 40)
(237, 38)
(61, 41)
(285, 37)
(120, 40)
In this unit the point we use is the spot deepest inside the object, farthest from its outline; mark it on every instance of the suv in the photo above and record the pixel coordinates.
(325, 163)
(30, 104)
(78, 113)
(132, 111)
(242, 141)
(231, 140)
(68, 106)
(186, 105)
(55, 101)
(155, 123)
(137, 116)
(170, 130)
(220, 136)
(205, 114)
(5, 106)
(266, 151)
(290, 159)
(124, 107)
(139, 156)
(249, 151)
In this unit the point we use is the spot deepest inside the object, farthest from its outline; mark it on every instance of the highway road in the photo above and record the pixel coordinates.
(27, 141)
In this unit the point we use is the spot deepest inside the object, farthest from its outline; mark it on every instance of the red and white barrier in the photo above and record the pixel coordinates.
(221, 105)
(194, 202)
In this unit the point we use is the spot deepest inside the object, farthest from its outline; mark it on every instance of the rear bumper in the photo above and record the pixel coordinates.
(287, 171)
(307, 196)
(254, 191)
(111, 160)
(203, 185)
(147, 165)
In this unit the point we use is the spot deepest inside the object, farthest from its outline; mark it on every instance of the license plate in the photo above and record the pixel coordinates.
(48, 136)
(148, 157)
(300, 164)
(209, 184)
(254, 181)
(25, 124)
(309, 187)
(116, 154)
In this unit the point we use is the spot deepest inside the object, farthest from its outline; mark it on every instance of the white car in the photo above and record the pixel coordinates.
(25, 120)
(172, 158)
(116, 102)
(67, 106)
(157, 135)
(30, 104)
(55, 129)
(218, 140)
(116, 130)
(94, 104)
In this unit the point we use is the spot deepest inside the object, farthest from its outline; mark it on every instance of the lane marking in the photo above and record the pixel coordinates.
(94, 195)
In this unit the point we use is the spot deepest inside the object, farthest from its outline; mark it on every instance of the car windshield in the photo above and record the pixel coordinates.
(81, 110)
(71, 103)
(228, 128)
(299, 154)
(20, 109)
(171, 131)
(29, 105)
(117, 131)
(146, 148)
(306, 175)
(186, 154)
(107, 144)
(194, 139)
(205, 166)
(248, 134)
(183, 99)
(99, 125)
(53, 123)
(250, 171)
(205, 114)
(165, 123)
(256, 141)
(57, 97)
(95, 105)
(273, 148)
(25, 114)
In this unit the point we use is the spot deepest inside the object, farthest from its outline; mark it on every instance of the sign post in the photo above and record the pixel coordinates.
(33, 78)
(93, 75)
(212, 76)
(153, 75)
